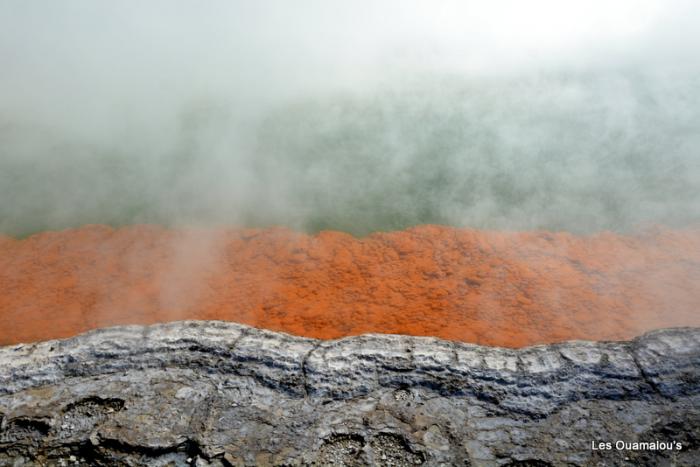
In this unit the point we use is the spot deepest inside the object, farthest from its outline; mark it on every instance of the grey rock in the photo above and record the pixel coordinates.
(208, 393)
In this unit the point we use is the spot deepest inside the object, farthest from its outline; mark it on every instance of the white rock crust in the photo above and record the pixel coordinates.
(421, 400)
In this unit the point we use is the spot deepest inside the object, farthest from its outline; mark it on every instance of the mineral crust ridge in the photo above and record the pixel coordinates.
(210, 393)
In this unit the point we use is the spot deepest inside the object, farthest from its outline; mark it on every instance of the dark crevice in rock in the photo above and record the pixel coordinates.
(111, 452)
(234, 345)
(647, 379)
(23, 428)
(307, 389)
(91, 403)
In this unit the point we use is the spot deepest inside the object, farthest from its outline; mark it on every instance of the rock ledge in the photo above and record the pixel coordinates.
(214, 393)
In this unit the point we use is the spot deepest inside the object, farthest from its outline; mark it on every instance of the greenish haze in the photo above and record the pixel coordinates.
(579, 152)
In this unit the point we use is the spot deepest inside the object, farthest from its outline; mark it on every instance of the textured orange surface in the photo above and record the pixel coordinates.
(496, 288)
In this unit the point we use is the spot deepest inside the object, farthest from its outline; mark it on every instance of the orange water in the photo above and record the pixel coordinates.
(496, 288)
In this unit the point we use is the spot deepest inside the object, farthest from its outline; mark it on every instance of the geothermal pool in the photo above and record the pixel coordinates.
(501, 173)
(488, 287)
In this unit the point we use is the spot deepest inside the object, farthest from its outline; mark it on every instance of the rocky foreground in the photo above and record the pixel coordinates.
(217, 394)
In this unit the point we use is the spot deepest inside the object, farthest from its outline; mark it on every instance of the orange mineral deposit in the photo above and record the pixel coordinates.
(497, 288)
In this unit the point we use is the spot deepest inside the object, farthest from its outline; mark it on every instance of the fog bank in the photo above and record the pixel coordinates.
(354, 116)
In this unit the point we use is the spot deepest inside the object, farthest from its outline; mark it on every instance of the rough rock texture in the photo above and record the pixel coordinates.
(508, 289)
(213, 393)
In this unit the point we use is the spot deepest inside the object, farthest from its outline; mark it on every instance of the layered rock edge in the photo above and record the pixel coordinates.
(217, 393)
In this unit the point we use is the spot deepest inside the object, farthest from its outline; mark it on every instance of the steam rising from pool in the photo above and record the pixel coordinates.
(210, 118)
(353, 116)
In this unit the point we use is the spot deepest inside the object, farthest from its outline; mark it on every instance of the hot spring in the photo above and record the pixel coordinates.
(503, 175)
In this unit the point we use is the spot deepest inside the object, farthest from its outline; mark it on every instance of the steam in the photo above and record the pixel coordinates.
(355, 116)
